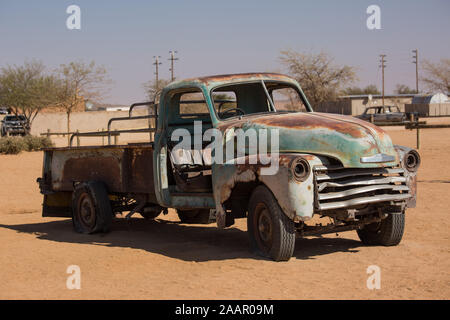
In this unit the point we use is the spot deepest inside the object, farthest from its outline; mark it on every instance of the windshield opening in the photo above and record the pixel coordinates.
(14, 118)
(249, 98)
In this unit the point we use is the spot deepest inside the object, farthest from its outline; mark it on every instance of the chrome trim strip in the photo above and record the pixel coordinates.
(345, 193)
(361, 182)
(364, 200)
(351, 173)
(379, 157)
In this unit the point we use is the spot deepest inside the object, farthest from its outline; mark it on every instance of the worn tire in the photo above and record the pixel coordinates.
(271, 232)
(388, 232)
(195, 216)
(91, 208)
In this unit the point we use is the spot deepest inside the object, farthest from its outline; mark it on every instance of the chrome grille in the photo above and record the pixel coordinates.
(345, 188)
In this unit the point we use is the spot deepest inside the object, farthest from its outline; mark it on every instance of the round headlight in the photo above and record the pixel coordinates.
(411, 160)
(300, 169)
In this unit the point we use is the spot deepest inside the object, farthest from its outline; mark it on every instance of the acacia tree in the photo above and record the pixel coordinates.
(26, 90)
(404, 89)
(79, 82)
(437, 75)
(370, 89)
(319, 78)
(152, 87)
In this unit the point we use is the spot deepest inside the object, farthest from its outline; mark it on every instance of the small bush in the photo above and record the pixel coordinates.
(46, 142)
(34, 143)
(14, 145)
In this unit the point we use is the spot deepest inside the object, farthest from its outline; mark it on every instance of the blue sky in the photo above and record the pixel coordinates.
(227, 36)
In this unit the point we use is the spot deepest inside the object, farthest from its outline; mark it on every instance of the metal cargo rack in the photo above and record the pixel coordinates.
(115, 133)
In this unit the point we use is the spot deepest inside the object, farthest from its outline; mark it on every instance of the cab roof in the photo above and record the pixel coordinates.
(215, 80)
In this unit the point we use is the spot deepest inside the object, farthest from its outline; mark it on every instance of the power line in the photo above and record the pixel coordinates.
(172, 59)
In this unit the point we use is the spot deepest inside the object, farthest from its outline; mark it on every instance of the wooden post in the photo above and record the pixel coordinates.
(78, 139)
(418, 140)
(48, 133)
(116, 138)
(103, 138)
(371, 118)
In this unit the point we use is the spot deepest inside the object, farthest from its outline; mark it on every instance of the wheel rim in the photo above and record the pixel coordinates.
(86, 211)
(264, 226)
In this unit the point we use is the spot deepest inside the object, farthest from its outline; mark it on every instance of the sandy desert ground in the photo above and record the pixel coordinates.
(164, 259)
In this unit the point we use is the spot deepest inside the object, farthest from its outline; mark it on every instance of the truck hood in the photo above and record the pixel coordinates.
(344, 138)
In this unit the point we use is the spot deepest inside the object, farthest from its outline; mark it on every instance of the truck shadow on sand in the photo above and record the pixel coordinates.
(180, 241)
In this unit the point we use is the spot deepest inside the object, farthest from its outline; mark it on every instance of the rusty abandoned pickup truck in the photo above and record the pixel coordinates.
(325, 164)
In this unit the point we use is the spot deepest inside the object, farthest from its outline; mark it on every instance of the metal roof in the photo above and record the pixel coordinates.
(430, 98)
(366, 96)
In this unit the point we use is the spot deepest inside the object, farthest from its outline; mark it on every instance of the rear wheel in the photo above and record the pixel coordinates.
(271, 232)
(387, 232)
(91, 208)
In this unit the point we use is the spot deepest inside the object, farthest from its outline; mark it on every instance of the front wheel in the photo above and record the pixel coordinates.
(387, 232)
(271, 232)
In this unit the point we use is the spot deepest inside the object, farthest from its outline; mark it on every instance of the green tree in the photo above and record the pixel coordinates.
(319, 78)
(26, 90)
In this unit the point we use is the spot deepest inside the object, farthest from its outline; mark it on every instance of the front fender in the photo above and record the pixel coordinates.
(411, 175)
(296, 198)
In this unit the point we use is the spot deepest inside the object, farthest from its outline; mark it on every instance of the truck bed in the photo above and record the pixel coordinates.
(124, 169)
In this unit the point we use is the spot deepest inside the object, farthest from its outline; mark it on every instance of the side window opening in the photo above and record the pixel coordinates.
(287, 99)
(187, 107)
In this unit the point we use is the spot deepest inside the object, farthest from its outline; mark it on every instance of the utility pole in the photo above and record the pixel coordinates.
(156, 64)
(416, 62)
(382, 66)
(172, 59)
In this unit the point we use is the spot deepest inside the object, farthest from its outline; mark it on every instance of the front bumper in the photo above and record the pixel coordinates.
(14, 130)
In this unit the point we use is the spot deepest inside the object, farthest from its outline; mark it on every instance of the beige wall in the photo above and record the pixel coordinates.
(341, 106)
(85, 121)
(429, 110)
(356, 106)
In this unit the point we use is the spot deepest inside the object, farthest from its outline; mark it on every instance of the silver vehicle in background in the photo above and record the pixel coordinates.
(382, 114)
(13, 125)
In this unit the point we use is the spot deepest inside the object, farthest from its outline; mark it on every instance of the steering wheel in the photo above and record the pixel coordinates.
(236, 110)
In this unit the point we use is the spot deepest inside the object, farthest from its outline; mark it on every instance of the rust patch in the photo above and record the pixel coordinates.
(106, 169)
(139, 171)
(381, 133)
(309, 121)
